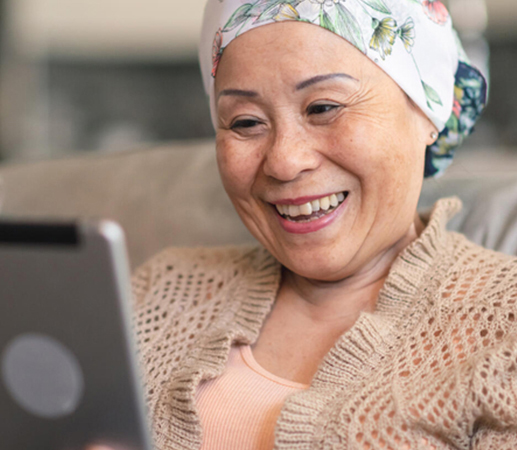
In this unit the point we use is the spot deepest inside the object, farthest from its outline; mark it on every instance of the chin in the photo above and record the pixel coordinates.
(317, 267)
(319, 275)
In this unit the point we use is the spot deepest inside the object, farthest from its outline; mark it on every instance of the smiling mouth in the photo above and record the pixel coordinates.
(312, 210)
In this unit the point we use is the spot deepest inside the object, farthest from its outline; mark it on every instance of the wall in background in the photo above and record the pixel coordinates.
(92, 74)
(122, 29)
(116, 106)
(140, 29)
(502, 17)
(109, 75)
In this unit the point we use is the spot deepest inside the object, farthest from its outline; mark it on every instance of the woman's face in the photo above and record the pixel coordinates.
(304, 121)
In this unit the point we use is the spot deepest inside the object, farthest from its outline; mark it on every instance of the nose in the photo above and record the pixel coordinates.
(290, 153)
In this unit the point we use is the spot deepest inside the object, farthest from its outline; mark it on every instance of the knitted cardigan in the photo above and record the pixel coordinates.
(434, 367)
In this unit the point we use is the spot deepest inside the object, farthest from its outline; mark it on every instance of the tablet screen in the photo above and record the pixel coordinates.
(68, 372)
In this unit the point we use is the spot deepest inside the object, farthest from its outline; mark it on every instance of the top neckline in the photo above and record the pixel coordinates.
(251, 362)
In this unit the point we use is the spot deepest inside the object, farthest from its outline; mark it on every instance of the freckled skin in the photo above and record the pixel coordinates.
(372, 144)
(361, 135)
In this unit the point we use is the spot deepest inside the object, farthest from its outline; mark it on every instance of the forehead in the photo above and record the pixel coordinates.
(290, 50)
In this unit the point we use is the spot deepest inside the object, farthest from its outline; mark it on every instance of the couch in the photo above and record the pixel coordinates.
(172, 196)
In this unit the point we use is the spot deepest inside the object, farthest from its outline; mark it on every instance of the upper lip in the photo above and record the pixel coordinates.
(302, 200)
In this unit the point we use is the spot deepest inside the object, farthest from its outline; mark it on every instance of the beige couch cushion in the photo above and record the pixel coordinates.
(163, 196)
(489, 214)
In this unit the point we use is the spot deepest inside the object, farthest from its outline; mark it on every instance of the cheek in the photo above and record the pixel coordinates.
(385, 146)
(238, 166)
(382, 154)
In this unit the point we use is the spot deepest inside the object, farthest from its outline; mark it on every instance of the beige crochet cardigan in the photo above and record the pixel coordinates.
(435, 367)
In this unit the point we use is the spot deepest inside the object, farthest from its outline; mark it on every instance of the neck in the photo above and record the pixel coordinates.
(342, 301)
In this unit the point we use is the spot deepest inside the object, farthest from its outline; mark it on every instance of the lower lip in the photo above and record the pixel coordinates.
(313, 225)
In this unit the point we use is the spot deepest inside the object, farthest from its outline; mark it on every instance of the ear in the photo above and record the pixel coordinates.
(433, 134)
(427, 131)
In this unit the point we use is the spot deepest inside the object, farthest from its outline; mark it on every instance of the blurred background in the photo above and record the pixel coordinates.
(112, 75)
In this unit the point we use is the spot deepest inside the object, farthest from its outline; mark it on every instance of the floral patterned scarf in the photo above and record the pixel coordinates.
(411, 40)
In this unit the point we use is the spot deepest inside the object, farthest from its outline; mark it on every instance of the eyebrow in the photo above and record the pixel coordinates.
(299, 86)
(320, 78)
(237, 92)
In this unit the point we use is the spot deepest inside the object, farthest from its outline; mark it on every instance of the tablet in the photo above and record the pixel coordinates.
(68, 367)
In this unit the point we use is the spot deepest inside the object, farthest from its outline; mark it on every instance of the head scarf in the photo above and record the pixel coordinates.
(413, 41)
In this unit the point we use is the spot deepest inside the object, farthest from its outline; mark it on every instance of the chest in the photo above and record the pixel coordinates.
(364, 393)
(293, 353)
(292, 344)
(385, 409)
(240, 408)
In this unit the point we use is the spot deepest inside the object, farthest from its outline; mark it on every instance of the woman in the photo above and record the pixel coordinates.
(356, 324)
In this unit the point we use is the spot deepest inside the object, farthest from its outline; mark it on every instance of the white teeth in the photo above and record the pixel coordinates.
(294, 211)
(325, 203)
(306, 209)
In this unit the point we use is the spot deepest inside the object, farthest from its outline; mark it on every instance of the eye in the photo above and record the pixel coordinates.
(244, 123)
(322, 108)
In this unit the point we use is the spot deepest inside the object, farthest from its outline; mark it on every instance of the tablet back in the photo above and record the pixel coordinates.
(67, 365)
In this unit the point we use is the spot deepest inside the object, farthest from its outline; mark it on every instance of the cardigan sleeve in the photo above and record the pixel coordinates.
(491, 439)
(494, 397)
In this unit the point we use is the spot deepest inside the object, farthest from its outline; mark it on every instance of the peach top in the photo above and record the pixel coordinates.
(239, 409)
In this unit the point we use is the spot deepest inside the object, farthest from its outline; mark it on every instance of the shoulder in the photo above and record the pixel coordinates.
(477, 288)
(183, 287)
(478, 275)
(181, 266)
(190, 258)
